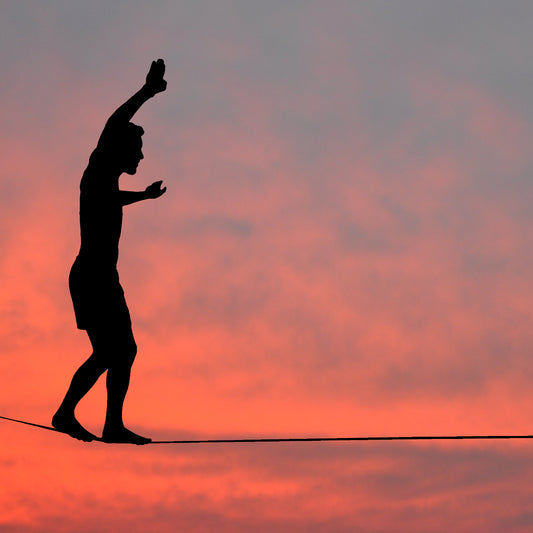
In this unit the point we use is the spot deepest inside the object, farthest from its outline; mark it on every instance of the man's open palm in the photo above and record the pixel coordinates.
(155, 190)
(154, 78)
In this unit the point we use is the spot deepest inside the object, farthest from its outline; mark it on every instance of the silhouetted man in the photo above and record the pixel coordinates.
(98, 298)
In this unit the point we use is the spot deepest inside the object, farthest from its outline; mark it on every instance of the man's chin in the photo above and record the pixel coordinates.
(131, 171)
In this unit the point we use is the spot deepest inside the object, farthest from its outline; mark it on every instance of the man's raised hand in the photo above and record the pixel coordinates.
(154, 79)
(155, 190)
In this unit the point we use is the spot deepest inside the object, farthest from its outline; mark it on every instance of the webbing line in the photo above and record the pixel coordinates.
(309, 439)
(345, 439)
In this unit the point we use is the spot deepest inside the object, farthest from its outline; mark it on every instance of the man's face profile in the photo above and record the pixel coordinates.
(130, 155)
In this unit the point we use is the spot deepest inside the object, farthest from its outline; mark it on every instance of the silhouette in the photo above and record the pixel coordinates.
(99, 304)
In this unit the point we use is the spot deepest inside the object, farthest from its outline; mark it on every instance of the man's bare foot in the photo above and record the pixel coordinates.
(122, 435)
(69, 425)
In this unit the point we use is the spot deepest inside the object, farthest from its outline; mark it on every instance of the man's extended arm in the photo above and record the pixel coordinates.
(152, 191)
(154, 84)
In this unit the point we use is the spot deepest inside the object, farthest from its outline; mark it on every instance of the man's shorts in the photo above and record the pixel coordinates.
(97, 296)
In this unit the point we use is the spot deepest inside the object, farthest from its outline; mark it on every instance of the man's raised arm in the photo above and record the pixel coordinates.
(154, 84)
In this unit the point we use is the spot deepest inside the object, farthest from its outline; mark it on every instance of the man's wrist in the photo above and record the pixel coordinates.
(147, 91)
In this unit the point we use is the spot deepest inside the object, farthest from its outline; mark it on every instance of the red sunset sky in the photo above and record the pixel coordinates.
(344, 249)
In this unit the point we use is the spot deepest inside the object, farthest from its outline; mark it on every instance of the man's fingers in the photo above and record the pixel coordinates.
(159, 67)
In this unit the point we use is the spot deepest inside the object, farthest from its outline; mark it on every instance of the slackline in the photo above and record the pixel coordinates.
(305, 439)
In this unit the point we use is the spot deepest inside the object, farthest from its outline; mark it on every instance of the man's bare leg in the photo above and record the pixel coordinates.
(124, 351)
(118, 379)
(83, 380)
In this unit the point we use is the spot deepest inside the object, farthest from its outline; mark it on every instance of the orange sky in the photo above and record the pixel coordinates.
(344, 249)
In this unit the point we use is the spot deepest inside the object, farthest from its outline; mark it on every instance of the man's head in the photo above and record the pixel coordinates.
(123, 147)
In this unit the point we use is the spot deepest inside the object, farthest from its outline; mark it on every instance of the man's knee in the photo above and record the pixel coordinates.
(118, 348)
(123, 351)
(130, 350)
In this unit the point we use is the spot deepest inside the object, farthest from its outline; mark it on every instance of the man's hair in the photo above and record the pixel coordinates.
(131, 132)
(115, 139)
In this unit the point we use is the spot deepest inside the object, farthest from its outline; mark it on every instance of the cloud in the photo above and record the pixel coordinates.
(343, 249)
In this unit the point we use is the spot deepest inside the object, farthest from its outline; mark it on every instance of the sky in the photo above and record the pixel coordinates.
(344, 249)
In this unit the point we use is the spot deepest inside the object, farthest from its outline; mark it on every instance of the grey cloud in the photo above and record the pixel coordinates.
(212, 225)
